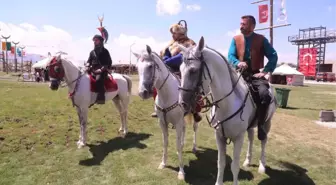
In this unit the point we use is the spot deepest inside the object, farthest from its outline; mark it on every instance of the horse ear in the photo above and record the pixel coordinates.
(201, 44)
(58, 58)
(136, 55)
(149, 50)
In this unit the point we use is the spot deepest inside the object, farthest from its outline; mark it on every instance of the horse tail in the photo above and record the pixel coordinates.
(129, 83)
(189, 118)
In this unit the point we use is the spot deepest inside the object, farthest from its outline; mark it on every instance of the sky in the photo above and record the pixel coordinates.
(69, 25)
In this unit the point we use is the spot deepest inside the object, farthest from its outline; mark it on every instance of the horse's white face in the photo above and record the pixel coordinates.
(147, 71)
(56, 72)
(192, 75)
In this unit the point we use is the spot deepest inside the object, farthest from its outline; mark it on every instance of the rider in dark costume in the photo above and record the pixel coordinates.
(99, 62)
(247, 52)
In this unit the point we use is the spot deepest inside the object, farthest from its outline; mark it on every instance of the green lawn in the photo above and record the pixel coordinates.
(39, 129)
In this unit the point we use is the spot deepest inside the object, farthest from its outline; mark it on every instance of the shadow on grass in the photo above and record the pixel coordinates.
(291, 175)
(297, 108)
(203, 170)
(100, 151)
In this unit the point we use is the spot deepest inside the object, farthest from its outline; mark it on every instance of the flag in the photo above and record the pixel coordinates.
(9, 45)
(263, 13)
(12, 49)
(3, 46)
(19, 52)
(282, 12)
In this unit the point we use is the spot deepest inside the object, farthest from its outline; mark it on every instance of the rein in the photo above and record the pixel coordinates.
(176, 104)
(210, 104)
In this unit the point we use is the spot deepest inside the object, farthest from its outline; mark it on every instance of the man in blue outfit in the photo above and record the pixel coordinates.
(172, 56)
(247, 52)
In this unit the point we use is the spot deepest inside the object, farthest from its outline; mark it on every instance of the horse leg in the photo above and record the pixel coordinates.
(179, 135)
(195, 127)
(122, 107)
(125, 102)
(250, 135)
(221, 161)
(164, 128)
(237, 146)
(262, 161)
(82, 115)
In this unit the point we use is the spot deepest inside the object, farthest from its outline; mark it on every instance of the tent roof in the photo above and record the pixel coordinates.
(42, 63)
(285, 69)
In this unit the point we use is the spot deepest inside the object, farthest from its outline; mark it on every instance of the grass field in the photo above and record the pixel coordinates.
(39, 129)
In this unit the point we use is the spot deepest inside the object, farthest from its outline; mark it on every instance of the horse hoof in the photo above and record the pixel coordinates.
(261, 169)
(194, 150)
(180, 176)
(80, 144)
(246, 164)
(161, 166)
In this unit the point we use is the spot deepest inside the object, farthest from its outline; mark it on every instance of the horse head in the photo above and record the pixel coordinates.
(148, 69)
(56, 72)
(193, 79)
(60, 69)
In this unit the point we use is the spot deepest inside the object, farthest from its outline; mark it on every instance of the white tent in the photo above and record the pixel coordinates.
(293, 77)
(42, 63)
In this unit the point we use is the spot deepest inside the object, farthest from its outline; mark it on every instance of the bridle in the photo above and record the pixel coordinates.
(199, 86)
(56, 71)
(156, 66)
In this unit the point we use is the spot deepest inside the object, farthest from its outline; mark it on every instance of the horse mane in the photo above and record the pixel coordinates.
(69, 62)
(168, 68)
(233, 74)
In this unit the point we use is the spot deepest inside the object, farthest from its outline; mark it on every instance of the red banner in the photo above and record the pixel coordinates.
(307, 61)
(12, 50)
(263, 13)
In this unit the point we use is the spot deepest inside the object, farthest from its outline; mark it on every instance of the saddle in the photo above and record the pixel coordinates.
(110, 83)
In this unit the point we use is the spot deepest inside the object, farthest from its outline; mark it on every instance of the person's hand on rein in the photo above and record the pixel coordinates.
(98, 71)
(242, 65)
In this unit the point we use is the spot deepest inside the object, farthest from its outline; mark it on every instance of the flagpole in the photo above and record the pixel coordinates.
(6, 65)
(15, 59)
(271, 25)
(22, 47)
(271, 22)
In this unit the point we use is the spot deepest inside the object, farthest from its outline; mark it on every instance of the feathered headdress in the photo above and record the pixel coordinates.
(179, 28)
(102, 29)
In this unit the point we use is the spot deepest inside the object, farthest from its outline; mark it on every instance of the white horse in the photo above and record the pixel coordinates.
(154, 73)
(233, 111)
(80, 91)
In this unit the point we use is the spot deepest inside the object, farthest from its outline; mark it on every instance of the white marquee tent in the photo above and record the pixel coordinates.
(293, 77)
(42, 63)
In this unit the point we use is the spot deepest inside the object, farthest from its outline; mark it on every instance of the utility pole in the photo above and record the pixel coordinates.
(15, 59)
(130, 58)
(22, 47)
(5, 65)
(271, 26)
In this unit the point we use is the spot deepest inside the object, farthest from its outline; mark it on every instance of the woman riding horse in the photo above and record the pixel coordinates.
(172, 56)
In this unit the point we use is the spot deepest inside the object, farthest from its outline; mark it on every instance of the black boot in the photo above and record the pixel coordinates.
(101, 98)
(262, 112)
(197, 117)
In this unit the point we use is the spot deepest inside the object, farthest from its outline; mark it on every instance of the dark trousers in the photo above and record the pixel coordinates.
(100, 78)
(261, 86)
(262, 97)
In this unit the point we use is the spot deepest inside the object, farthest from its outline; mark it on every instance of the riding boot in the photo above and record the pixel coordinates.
(101, 98)
(197, 117)
(101, 91)
(262, 112)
